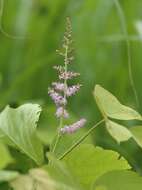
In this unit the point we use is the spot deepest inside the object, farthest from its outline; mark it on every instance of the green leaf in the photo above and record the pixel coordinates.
(111, 107)
(121, 133)
(36, 179)
(87, 163)
(118, 132)
(118, 138)
(23, 182)
(60, 173)
(8, 175)
(119, 180)
(137, 132)
(5, 157)
(19, 126)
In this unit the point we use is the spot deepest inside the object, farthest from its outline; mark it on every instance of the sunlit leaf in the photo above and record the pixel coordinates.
(118, 132)
(119, 138)
(36, 179)
(137, 132)
(19, 126)
(119, 180)
(60, 173)
(111, 107)
(8, 175)
(87, 163)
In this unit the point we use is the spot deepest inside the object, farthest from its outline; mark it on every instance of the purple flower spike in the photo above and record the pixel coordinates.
(74, 127)
(60, 91)
(61, 112)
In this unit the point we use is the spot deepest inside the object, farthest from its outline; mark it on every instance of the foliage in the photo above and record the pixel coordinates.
(34, 154)
(19, 125)
(82, 167)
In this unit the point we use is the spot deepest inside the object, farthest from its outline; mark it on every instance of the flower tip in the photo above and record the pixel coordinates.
(74, 127)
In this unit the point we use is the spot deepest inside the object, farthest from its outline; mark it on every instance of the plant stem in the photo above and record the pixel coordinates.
(58, 135)
(61, 119)
(66, 69)
(80, 140)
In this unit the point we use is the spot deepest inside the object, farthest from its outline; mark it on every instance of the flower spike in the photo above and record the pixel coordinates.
(61, 91)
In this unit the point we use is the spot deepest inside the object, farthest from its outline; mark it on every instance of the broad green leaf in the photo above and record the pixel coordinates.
(118, 132)
(119, 180)
(5, 157)
(19, 126)
(60, 173)
(87, 163)
(23, 182)
(120, 139)
(22, 162)
(36, 179)
(6, 175)
(137, 132)
(111, 107)
(121, 133)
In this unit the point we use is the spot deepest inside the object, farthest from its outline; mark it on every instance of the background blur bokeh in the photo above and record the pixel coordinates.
(32, 30)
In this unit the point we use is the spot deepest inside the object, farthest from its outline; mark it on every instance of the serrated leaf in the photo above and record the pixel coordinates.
(6, 175)
(119, 180)
(118, 132)
(87, 163)
(111, 107)
(19, 126)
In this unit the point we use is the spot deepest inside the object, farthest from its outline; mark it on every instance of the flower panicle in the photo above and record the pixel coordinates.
(67, 44)
(60, 90)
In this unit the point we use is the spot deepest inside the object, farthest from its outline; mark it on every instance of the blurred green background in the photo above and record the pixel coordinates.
(99, 31)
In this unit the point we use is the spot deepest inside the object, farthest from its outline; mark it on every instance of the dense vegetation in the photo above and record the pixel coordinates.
(106, 153)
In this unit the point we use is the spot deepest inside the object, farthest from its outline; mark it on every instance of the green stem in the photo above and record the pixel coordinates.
(58, 135)
(61, 119)
(81, 139)
(66, 68)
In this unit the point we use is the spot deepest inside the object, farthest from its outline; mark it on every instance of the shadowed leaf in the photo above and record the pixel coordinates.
(19, 126)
